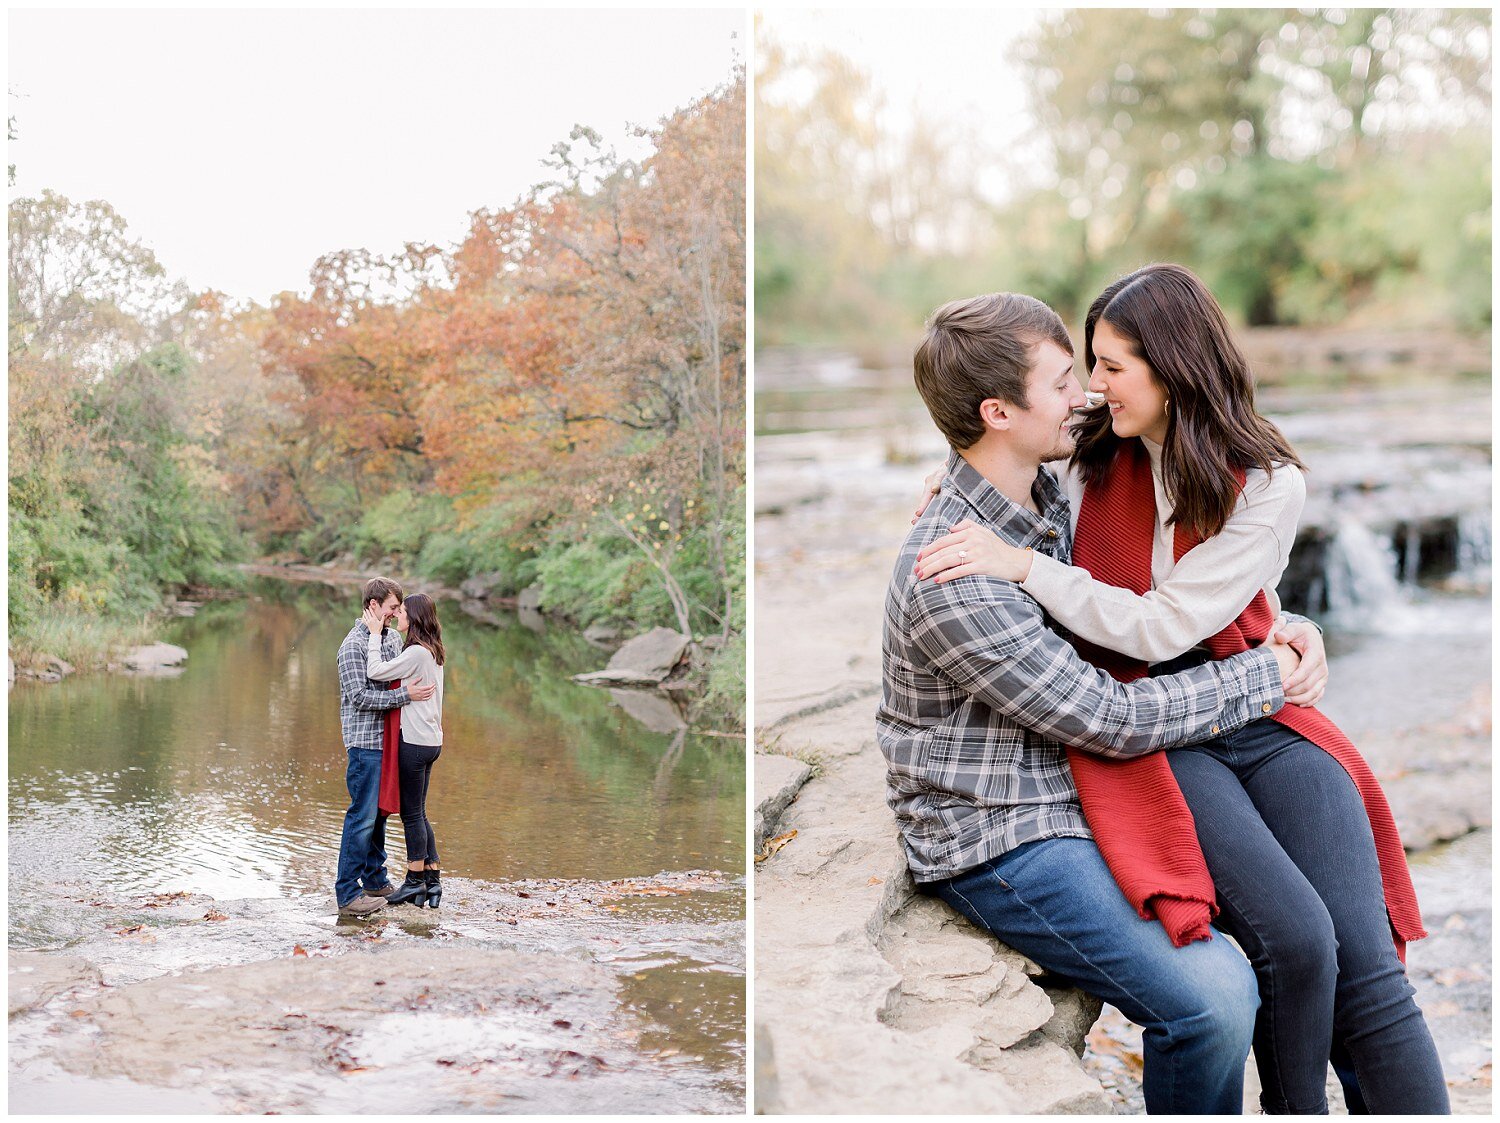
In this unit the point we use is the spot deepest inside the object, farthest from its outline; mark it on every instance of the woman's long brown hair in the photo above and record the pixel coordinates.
(1172, 322)
(422, 625)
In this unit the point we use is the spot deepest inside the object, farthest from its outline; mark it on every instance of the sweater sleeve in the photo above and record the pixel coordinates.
(404, 666)
(1208, 587)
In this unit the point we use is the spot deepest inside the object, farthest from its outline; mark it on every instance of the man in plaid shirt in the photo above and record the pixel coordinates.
(982, 697)
(362, 883)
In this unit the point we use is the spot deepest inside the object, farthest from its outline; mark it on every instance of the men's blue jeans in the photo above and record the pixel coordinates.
(1056, 901)
(1292, 856)
(362, 847)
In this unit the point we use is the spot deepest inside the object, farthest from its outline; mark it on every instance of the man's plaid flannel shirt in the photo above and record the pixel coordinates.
(363, 702)
(981, 696)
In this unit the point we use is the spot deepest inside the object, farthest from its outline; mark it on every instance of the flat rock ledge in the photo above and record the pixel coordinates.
(399, 1030)
(873, 998)
(778, 779)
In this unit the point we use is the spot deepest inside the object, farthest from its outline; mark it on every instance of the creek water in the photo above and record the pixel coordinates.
(226, 780)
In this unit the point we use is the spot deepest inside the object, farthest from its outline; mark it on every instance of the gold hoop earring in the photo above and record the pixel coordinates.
(1166, 406)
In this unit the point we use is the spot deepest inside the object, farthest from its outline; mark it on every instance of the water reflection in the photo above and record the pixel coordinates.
(228, 779)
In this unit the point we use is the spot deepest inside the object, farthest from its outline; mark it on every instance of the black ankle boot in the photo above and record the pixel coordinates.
(412, 891)
(434, 887)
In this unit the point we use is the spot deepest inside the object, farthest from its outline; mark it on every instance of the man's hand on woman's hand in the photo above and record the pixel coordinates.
(970, 548)
(1305, 686)
(1287, 660)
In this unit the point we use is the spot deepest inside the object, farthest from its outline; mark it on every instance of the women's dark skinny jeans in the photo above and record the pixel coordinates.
(416, 771)
(1289, 846)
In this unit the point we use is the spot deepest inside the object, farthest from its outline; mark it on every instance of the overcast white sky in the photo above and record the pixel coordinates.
(241, 145)
(950, 62)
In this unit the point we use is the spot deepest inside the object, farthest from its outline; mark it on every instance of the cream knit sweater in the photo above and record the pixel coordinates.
(1191, 599)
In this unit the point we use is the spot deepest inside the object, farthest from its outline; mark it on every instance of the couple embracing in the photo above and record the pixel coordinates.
(1099, 733)
(391, 710)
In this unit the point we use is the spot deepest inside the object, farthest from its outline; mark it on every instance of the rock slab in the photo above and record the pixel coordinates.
(154, 656)
(646, 660)
(778, 779)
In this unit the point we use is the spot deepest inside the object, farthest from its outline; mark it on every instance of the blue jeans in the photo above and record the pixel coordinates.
(1293, 860)
(362, 847)
(1056, 901)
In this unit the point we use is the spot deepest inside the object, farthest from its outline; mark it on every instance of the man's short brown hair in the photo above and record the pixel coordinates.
(378, 588)
(980, 348)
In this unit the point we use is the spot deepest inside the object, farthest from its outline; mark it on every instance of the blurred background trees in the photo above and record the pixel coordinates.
(557, 401)
(1315, 166)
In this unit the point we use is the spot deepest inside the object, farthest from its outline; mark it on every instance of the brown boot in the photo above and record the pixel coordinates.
(362, 906)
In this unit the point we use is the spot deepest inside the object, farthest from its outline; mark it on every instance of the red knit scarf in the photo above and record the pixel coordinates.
(389, 800)
(1139, 818)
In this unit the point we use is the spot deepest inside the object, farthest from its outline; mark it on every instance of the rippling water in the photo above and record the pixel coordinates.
(228, 780)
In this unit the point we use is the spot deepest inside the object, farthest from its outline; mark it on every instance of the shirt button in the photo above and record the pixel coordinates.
(1215, 729)
(1052, 534)
(1265, 707)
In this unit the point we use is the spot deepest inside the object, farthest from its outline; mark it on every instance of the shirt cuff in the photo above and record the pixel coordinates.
(1260, 677)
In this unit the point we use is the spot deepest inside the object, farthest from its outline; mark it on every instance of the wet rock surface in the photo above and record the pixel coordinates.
(849, 1016)
(514, 998)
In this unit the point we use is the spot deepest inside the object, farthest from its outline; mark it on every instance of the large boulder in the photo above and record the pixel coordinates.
(643, 661)
(530, 599)
(602, 634)
(480, 586)
(155, 656)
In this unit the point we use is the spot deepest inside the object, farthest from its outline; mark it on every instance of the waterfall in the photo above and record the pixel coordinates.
(1369, 586)
(1474, 550)
(1360, 574)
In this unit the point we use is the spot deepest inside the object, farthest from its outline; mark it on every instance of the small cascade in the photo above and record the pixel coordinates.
(1411, 557)
(1474, 550)
(1359, 575)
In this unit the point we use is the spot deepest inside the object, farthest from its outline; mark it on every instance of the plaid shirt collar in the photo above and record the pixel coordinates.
(1004, 515)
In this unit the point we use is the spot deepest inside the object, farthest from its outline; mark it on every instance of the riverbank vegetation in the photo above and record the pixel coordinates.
(1315, 166)
(556, 402)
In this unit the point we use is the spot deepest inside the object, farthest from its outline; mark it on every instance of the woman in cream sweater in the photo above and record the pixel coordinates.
(421, 740)
(1281, 808)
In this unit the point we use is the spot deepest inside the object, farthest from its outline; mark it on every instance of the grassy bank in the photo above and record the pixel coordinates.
(86, 640)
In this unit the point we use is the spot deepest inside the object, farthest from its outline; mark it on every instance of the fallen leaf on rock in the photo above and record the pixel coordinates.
(875, 881)
(651, 891)
(215, 914)
(299, 950)
(157, 900)
(774, 844)
(78, 1013)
